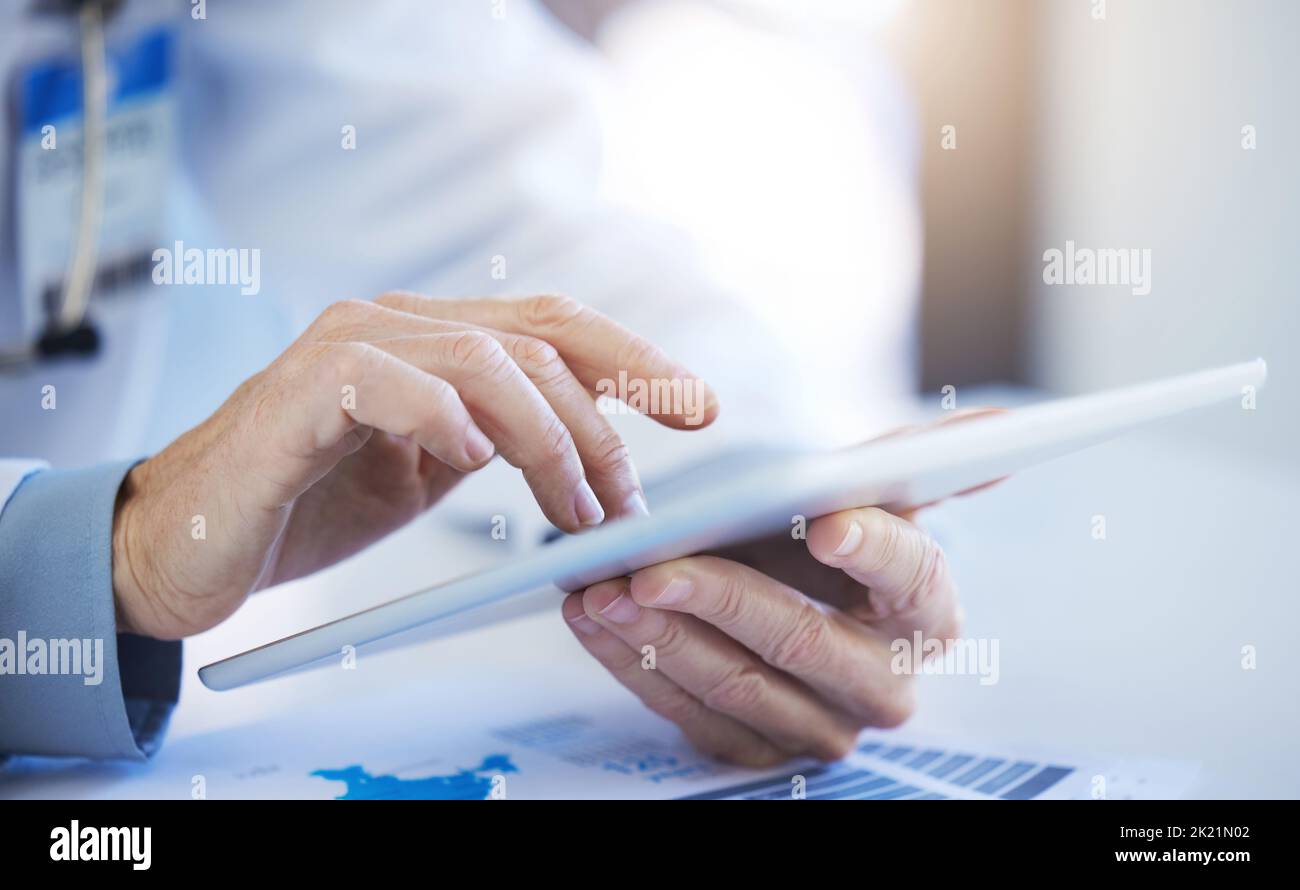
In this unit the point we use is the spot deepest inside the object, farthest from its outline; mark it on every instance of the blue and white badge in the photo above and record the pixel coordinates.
(139, 144)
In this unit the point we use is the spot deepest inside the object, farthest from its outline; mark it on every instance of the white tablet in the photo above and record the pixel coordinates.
(739, 501)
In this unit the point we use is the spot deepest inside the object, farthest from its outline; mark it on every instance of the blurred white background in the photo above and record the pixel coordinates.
(1122, 131)
(1113, 124)
(1139, 133)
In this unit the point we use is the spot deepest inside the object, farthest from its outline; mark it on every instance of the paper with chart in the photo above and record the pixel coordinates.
(484, 742)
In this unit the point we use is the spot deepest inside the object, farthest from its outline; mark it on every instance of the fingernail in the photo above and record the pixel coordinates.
(478, 446)
(586, 506)
(852, 538)
(622, 610)
(635, 505)
(675, 593)
(585, 625)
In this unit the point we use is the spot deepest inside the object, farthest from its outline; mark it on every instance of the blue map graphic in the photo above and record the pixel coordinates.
(466, 784)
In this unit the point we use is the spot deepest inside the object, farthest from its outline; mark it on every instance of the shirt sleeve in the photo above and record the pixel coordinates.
(69, 683)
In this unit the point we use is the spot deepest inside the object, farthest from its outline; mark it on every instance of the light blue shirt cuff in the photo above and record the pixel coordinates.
(69, 683)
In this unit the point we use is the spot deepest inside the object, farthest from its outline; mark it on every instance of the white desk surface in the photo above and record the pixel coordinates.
(1127, 647)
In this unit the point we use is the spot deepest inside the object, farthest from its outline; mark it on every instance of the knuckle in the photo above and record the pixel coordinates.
(537, 354)
(556, 441)
(805, 647)
(927, 581)
(674, 705)
(341, 321)
(728, 608)
(476, 349)
(878, 526)
(670, 642)
(345, 311)
(637, 353)
(445, 404)
(548, 311)
(740, 691)
(345, 362)
(608, 452)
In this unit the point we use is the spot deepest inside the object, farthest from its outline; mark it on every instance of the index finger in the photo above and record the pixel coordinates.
(606, 357)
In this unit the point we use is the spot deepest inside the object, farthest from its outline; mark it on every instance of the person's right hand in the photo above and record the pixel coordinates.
(372, 415)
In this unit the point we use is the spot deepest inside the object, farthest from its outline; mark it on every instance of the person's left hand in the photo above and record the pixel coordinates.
(782, 649)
